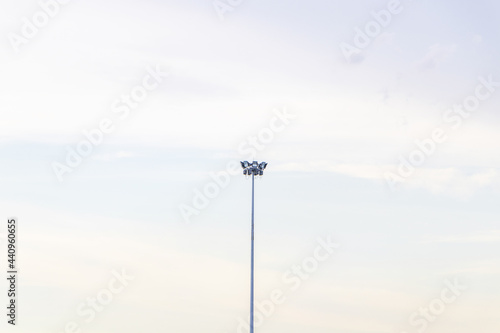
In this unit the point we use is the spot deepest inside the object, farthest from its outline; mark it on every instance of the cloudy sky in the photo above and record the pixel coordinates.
(121, 123)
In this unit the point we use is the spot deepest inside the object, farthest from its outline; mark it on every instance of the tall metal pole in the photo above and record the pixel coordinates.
(254, 169)
(251, 265)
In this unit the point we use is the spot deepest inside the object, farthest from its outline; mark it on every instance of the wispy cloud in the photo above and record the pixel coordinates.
(449, 181)
(435, 55)
(478, 237)
(113, 156)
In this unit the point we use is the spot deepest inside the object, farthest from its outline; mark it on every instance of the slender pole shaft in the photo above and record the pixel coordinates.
(251, 265)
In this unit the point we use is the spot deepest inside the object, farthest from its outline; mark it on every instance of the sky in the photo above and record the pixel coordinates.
(122, 125)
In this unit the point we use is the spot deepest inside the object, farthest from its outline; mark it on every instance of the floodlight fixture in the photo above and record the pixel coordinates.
(254, 168)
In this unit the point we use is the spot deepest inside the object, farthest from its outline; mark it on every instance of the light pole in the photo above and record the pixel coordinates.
(253, 169)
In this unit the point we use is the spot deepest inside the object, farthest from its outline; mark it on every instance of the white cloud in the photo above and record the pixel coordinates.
(113, 156)
(436, 54)
(489, 236)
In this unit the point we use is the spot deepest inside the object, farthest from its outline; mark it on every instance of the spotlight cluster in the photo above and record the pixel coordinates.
(253, 168)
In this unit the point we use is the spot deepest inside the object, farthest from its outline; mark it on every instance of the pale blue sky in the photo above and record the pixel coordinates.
(120, 209)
